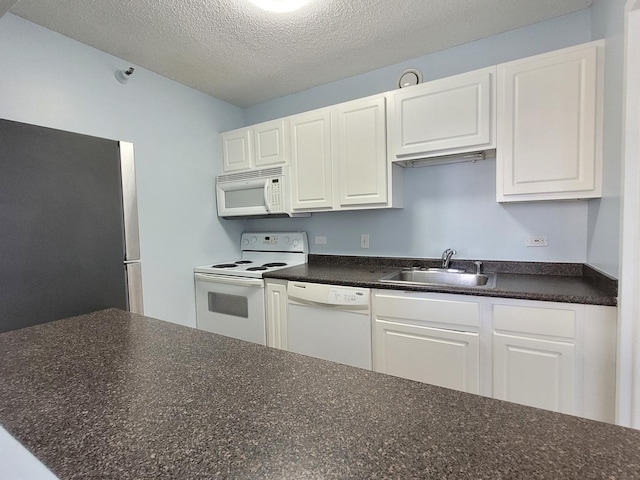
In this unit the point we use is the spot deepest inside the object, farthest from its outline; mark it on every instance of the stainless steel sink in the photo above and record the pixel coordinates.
(440, 277)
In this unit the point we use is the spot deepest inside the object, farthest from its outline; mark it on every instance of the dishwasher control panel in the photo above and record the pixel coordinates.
(333, 296)
(346, 296)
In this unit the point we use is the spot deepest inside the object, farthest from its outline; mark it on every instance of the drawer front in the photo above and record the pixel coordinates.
(557, 322)
(418, 307)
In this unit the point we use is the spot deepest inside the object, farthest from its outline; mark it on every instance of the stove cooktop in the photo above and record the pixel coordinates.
(263, 252)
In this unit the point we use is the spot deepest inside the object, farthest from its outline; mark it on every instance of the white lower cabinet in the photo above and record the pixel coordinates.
(534, 355)
(555, 356)
(446, 358)
(535, 372)
(429, 339)
(276, 313)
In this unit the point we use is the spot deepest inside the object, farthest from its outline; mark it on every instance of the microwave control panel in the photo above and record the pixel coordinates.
(275, 194)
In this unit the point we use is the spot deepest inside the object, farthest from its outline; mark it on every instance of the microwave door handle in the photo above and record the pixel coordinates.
(267, 205)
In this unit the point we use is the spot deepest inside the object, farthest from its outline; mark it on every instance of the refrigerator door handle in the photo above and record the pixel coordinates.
(129, 202)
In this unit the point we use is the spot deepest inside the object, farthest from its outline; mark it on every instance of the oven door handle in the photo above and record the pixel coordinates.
(239, 281)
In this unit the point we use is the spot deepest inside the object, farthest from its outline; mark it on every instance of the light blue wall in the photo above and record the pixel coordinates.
(448, 205)
(604, 214)
(48, 79)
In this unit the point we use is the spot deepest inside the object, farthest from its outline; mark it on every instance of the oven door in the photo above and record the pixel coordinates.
(231, 306)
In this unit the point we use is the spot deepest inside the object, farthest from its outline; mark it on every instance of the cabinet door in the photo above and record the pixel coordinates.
(269, 138)
(236, 149)
(311, 160)
(451, 115)
(276, 313)
(549, 126)
(361, 152)
(446, 358)
(535, 372)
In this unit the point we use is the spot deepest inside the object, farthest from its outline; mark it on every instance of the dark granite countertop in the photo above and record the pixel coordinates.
(114, 395)
(552, 282)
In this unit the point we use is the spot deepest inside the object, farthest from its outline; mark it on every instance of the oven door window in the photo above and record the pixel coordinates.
(251, 197)
(235, 305)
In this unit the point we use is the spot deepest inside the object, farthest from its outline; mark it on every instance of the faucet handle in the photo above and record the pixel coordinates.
(478, 265)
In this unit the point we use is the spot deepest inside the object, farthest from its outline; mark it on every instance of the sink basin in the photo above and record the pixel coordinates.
(440, 277)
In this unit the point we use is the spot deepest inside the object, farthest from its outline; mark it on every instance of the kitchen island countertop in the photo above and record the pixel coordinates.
(114, 395)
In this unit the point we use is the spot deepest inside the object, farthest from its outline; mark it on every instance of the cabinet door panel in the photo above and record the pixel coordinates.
(454, 113)
(547, 134)
(446, 358)
(534, 372)
(236, 150)
(311, 160)
(361, 152)
(269, 143)
(276, 314)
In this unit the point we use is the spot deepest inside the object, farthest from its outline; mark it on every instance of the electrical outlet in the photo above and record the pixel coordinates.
(537, 241)
(321, 240)
(364, 240)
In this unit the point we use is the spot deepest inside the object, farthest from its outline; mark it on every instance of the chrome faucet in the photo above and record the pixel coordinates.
(446, 257)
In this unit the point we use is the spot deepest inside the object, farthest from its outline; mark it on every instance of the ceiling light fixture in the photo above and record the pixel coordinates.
(280, 6)
(123, 75)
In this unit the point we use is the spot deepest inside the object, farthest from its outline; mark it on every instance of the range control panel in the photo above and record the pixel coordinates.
(275, 242)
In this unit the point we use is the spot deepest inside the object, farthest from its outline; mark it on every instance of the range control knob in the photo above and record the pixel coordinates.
(254, 239)
(245, 241)
(295, 243)
(286, 239)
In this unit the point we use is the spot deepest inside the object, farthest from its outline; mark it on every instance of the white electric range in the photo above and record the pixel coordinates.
(230, 295)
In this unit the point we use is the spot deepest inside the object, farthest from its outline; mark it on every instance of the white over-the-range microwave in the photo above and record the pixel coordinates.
(255, 193)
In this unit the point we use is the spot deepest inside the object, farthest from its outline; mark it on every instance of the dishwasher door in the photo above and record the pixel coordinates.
(331, 322)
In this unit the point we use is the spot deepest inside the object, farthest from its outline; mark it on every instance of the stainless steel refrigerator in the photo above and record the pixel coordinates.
(69, 240)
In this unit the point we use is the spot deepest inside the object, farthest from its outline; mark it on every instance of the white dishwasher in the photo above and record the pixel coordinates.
(331, 322)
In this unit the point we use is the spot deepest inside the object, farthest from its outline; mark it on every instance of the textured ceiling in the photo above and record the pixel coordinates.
(232, 50)
(5, 6)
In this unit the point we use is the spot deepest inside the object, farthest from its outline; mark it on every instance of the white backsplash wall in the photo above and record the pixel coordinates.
(48, 79)
(447, 205)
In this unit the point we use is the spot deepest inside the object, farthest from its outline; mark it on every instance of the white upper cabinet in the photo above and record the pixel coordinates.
(237, 149)
(311, 164)
(339, 157)
(360, 152)
(259, 145)
(443, 117)
(550, 125)
(269, 143)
